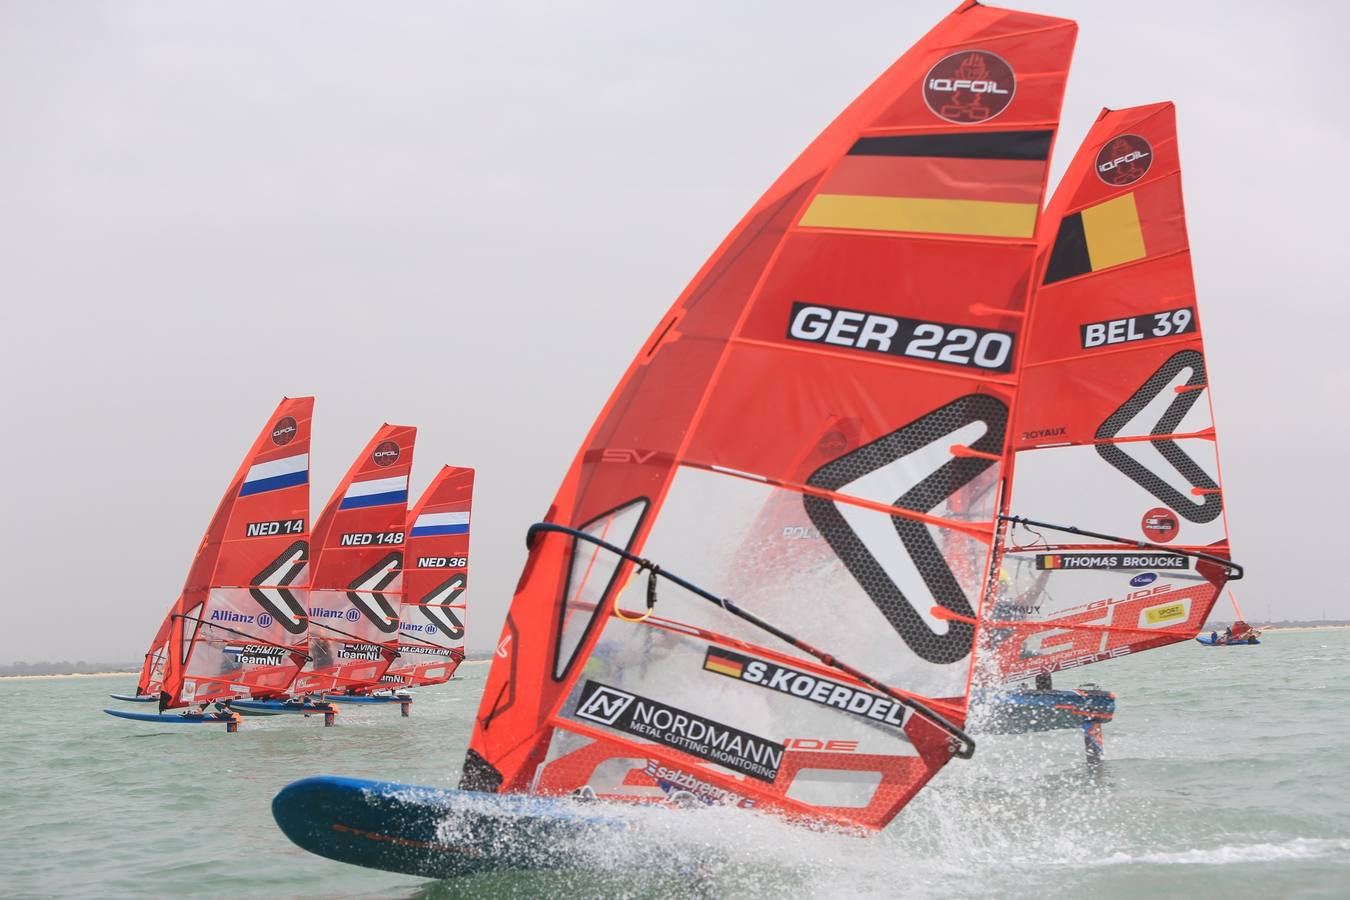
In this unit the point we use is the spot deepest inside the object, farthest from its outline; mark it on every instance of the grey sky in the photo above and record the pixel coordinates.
(466, 217)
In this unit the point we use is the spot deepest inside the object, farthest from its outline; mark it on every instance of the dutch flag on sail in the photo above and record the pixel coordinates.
(277, 474)
(441, 523)
(376, 492)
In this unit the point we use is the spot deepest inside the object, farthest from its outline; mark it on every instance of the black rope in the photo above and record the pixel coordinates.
(964, 747)
(1235, 571)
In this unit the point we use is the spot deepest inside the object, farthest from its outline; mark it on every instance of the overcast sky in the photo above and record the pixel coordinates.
(467, 217)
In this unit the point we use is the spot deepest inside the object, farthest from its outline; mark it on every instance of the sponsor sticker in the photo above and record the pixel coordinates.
(1124, 160)
(1143, 579)
(969, 86)
(822, 691)
(825, 745)
(229, 615)
(1168, 613)
(1160, 524)
(1099, 561)
(714, 741)
(671, 780)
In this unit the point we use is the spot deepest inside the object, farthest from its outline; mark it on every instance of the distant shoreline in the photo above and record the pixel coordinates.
(133, 672)
(123, 674)
(1303, 628)
(478, 662)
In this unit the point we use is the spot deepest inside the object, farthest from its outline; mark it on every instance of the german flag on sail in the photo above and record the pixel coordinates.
(724, 662)
(985, 184)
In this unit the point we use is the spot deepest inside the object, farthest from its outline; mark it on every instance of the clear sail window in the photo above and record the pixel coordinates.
(589, 576)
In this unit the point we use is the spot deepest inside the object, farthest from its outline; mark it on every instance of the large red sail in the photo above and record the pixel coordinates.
(842, 368)
(433, 614)
(358, 568)
(239, 627)
(1113, 430)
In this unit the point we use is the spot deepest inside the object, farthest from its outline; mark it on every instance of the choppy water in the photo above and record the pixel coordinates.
(1228, 774)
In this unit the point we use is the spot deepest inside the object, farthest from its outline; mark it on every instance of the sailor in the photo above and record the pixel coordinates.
(1213, 637)
(1228, 633)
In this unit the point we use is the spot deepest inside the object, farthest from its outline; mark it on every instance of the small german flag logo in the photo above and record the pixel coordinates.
(724, 662)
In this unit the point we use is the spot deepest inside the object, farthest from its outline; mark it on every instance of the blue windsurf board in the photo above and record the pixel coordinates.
(436, 832)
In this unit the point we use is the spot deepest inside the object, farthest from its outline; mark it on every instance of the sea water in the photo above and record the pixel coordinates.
(1227, 773)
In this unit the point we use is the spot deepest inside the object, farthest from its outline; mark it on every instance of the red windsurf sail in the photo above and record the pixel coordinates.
(239, 627)
(838, 375)
(435, 583)
(358, 568)
(152, 668)
(1113, 431)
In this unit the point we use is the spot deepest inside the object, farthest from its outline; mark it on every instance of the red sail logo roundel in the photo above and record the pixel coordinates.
(1160, 524)
(386, 454)
(1124, 160)
(283, 432)
(968, 87)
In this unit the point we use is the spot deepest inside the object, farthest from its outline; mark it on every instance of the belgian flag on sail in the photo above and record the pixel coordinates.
(985, 184)
(1129, 227)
